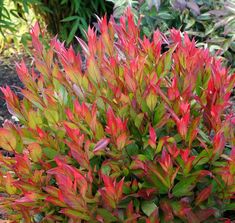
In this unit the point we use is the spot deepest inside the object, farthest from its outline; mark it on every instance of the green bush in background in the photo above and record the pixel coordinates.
(211, 22)
(66, 18)
(70, 17)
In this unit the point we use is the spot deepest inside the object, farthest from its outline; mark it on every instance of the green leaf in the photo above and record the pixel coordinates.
(204, 136)
(93, 70)
(199, 84)
(34, 119)
(7, 140)
(168, 58)
(50, 153)
(165, 15)
(107, 216)
(229, 207)
(132, 149)
(144, 106)
(148, 207)
(146, 31)
(25, 5)
(159, 112)
(75, 214)
(190, 23)
(70, 18)
(202, 158)
(183, 187)
(52, 116)
(204, 17)
(63, 2)
(73, 31)
(149, 153)
(139, 119)
(105, 170)
(151, 101)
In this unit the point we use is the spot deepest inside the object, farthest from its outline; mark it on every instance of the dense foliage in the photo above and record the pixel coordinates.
(143, 134)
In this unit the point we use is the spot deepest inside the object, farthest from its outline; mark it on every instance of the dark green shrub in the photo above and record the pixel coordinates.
(71, 17)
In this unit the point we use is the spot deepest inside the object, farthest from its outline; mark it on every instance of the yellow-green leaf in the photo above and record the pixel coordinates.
(7, 140)
(52, 116)
(151, 101)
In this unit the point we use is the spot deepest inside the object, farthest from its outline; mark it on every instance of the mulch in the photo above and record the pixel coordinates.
(8, 77)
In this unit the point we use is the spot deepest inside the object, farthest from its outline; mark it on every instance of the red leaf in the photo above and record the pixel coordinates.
(173, 91)
(112, 191)
(165, 161)
(69, 114)
(184, 107)
(203, 195)
(52, 191)
(130, 209)
(130, 82)
(55, 201)
(182, 125)
(153, 137)
(121, 141)
(219, 143)
(204, 214)
(166, 208)
(35, 32)
(119, 189)
(74, 214)
(111, 127)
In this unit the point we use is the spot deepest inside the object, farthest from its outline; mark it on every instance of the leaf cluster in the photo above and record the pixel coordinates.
(143, 133)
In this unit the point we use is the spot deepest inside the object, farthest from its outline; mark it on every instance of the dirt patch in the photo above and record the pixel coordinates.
(8, 76)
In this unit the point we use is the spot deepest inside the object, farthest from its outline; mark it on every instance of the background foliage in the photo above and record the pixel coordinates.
(69, 18)
(211, 22)
(15, 19)
(63, 17)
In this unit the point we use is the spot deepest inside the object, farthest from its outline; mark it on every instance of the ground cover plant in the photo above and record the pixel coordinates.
(145, 133)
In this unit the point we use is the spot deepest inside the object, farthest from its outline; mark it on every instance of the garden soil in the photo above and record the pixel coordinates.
(8, 77)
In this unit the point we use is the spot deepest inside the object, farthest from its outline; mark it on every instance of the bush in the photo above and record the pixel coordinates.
(140, 135)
